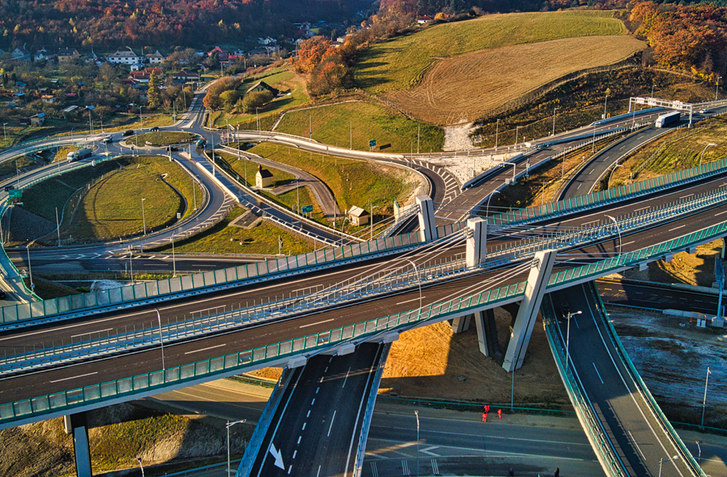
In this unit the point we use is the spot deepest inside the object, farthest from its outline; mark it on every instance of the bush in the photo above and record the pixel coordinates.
(255, 100)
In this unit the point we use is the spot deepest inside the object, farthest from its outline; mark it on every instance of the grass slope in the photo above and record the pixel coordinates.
(402, 62)
(352, 182)
(337, 124)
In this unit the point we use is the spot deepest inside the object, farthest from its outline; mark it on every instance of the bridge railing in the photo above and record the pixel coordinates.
(644, 390)
(253, 272)
(609, 458)
(208, 369)
(157, 381)
(600, 198)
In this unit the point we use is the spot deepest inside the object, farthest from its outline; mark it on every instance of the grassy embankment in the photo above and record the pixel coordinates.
(111, 208)
(337, 124)
(282, 78)
(163, 138)
(352, 182)
(402, 62)
(261, 239)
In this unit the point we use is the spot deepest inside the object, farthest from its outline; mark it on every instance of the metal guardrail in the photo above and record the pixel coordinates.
(609, 458)
(598, 199)
(115, 297)
(644, 390)
(235, 362)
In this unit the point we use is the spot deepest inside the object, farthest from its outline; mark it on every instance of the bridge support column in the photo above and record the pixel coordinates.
(477, 242)
(525, 320)
(486, 332)
(461, 324)
(724, 246)
(427, 226)
(76, 424)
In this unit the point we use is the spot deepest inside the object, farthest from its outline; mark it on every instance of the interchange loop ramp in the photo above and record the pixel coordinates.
(626, 428)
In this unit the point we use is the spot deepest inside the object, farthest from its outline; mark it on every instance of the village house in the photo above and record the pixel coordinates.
(261, 86)
(222, 54)
(66, 55)
(42, 55)
(124, 57)
(156, 58)
(38, 119)
(20, 54)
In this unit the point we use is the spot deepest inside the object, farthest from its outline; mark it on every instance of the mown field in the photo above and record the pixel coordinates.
(352, 182)
(361, 121)
(464, 88)
(402, 62)
(163, 138)
(111, 205)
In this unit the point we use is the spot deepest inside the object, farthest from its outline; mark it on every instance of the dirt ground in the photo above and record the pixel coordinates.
(464, 88)
(691, 269)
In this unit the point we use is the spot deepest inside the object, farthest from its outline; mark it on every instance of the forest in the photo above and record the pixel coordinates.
(107, 24)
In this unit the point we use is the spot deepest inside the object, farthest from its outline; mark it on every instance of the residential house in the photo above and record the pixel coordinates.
(66, 55)
(156, 58)
(186, 76)
(261, 86)
(93, 58)
(222, 54)
(38, 119)
(358, 216)
(424, 19)
(20, 54)
(42, 55)
(48, 98)
(124, 57)
(267, 41)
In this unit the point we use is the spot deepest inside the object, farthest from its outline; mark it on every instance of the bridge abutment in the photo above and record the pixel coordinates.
(427, 226)
(461, 324)
(525, 320)
(76, 424)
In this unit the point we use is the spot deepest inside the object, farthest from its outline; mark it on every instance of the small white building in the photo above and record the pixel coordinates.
(124, 57)
(263, 178)
(358, 216)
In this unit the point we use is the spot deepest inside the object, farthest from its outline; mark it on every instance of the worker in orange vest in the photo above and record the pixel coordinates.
(499, 413)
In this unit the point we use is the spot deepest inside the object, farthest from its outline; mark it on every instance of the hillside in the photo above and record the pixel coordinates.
(106, 24)
(458, 72)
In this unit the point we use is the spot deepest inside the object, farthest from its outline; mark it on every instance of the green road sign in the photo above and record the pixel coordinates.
(307, 209)
(15, 194)
(372, 143)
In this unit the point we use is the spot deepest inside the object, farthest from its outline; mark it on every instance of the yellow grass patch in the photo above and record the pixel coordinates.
(465, 87)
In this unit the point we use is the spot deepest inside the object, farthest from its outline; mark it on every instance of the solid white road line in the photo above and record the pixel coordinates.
(677, 228)
(409, 301)
(331, 426)
(599, 374)
(91, 332)
(75, 377)
(316, 323)
(206, 349)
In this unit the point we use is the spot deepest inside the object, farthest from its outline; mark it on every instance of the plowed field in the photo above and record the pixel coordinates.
(464, 87)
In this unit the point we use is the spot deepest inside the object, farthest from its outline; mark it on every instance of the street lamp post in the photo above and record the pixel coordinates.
(702, 154)
(143, 215)
(652, 89)
(161, 340)
(174, 262)
(554, 111)
(141, 121)
(620, 239)
(612, 171)
(704, 402)
(497, 131)
(517, 132)
(416, 413)
(30, 272)
(229, 425)
(662, 460)
(605, 102)
(5, 135)
(138, 459)
(567, 339)
(716, 88)
(487, 209)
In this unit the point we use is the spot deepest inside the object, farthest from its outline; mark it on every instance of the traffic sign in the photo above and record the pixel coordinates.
(15, 194)
(307, 209)
(372, 143)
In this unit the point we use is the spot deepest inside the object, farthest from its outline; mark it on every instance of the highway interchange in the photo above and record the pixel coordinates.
(82, 373)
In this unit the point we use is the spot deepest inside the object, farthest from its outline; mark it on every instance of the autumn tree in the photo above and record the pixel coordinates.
(255, 100)
(310, 53)
(154, 95)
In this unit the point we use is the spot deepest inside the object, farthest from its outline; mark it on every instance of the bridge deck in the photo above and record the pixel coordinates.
(637, 435)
